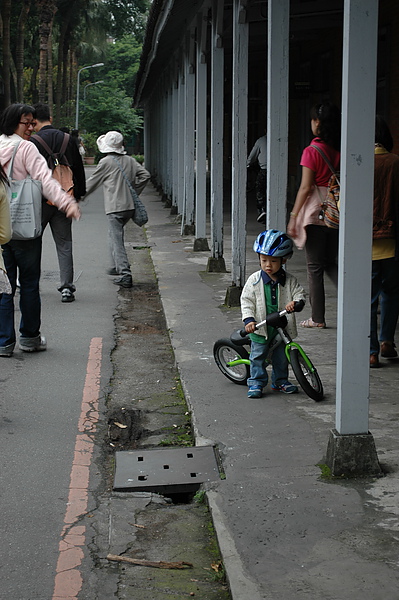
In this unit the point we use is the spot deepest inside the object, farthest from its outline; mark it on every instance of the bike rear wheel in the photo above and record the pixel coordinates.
(307, 378)
(225, 352)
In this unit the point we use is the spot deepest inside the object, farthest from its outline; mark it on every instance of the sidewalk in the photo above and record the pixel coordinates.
(284, 533)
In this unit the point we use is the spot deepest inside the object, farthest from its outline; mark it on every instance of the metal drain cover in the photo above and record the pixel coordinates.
(170, 470)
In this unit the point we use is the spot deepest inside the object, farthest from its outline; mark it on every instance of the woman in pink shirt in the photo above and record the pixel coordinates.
(16, 125)
(306, 225)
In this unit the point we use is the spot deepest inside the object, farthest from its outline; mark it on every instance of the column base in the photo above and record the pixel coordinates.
(233, 295)
(201, 245)
(352, 455)
(216, 265)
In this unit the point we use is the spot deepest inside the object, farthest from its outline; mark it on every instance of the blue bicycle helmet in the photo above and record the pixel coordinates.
(274, 243)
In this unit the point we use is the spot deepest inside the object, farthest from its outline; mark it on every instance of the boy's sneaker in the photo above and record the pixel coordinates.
(255, 391)
(286, 388)
(36, 344)
(261, 217)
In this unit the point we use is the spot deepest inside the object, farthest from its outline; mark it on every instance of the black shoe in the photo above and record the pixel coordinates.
(112, 271)
(388, 350)
(261, 217)
(67, 295)
(124, 281)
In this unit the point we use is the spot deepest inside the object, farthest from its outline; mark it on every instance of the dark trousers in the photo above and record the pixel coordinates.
(322, 257)
(384, 289)
(26, 257)
(260, 187)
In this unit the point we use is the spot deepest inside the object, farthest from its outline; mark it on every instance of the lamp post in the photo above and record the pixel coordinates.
(77, 90)
(89, 84)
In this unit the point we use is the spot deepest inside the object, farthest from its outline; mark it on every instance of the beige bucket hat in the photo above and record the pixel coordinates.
(111, 142)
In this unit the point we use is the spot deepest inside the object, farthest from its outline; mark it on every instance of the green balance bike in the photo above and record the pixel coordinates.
(232, 356)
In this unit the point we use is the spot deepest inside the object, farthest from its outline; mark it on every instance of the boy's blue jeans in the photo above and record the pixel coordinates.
(258, 371)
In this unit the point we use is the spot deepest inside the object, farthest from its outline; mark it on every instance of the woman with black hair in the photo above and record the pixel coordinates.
(385, 252)
(5, 231)
(306, 225)
(16, 125)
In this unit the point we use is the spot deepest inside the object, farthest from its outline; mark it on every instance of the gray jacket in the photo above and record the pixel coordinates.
(117, 196)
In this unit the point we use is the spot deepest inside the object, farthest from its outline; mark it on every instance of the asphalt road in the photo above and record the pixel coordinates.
(40, 404)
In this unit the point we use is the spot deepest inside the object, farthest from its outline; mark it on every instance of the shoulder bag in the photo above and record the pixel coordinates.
(331, 202)
(140, 216)
(25, 197)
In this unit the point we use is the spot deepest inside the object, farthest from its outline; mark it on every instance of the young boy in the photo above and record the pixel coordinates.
(269, 290)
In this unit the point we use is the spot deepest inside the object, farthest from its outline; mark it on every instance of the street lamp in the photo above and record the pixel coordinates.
(77, 90)
(87, 85)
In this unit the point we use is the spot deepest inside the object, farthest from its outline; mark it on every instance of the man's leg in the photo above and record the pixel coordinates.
(61, 228)
(261, 195)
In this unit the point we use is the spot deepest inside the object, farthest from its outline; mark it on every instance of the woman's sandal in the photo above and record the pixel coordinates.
(309, 323)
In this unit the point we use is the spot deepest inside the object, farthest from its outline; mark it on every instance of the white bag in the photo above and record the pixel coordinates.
(25, 196)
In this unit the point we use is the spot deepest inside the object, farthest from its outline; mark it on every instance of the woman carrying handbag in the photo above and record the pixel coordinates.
(16, 125)
(118, 173)
(306, 225)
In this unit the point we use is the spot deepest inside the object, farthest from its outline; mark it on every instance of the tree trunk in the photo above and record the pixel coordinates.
(6, 15)
(50, 73)
(19, 50)
(47, 11)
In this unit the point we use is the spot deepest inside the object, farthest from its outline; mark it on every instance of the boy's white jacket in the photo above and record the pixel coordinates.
(253, 301)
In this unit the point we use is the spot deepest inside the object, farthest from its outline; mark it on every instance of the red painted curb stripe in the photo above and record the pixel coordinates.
(68, 579)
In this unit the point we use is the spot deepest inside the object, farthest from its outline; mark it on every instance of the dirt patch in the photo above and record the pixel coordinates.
(146, 408)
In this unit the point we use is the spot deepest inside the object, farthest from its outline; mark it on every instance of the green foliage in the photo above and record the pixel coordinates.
(325, 471)
(107, 109)
(90, 143)
(126, 17)
(108, 31)
(200, 497)
(123, 60)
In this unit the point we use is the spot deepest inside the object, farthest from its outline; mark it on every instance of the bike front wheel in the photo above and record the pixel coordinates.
(307, 377)
(225, 353)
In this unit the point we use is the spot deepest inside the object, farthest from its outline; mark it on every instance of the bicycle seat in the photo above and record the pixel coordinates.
(238, 340)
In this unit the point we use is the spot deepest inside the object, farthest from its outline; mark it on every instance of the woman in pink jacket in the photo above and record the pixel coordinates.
(16, 125)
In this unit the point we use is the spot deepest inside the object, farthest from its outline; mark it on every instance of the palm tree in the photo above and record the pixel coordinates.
(6, 19)
(46, 10)
(19, 51)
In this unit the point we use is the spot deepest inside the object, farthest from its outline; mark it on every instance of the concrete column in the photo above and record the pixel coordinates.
(147, 145)
(175, 139)
(239, 147)
(216, 262)
(189, 137)
(201, 242)
(168, 145)
(346, 452)
(277, 113)
(181, 144)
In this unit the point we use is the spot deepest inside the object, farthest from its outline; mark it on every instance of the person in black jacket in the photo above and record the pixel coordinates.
(60, 224)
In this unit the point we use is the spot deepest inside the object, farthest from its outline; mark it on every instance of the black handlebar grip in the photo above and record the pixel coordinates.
(298, 305)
